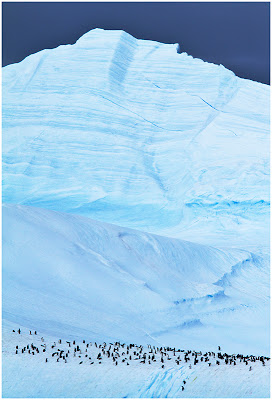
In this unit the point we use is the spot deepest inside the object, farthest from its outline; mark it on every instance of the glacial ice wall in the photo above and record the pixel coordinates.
(130, 132)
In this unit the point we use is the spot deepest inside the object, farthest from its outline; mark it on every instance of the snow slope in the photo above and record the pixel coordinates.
(71, 276)
(130, 132)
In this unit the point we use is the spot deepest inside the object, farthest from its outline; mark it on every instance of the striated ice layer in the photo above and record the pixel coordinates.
(130, 132)
(70, 276)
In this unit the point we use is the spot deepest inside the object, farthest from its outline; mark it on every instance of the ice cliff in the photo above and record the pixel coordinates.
(130, 132)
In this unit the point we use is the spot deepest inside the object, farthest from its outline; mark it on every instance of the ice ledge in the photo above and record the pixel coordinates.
(104, 35)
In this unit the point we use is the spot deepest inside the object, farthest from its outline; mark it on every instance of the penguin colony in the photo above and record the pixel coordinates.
(92, 353)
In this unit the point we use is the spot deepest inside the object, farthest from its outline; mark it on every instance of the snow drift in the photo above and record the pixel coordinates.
(71, 276)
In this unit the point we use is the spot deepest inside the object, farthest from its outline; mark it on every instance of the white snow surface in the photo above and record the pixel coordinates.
(28, 375)
(130, 132)
(72, 276)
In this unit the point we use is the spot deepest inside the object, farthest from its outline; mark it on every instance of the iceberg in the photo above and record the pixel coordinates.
(133, 133)
(136, 209)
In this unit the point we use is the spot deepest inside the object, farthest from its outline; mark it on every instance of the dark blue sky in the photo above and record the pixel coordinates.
(233, 34)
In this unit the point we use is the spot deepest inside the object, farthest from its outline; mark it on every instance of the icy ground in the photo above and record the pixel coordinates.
(57, 378)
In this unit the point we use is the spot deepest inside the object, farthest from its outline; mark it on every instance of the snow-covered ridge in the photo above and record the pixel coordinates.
(72, 276)
(130, 132)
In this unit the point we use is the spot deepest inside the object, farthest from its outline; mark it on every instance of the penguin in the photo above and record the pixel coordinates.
(46, 360)
(81, 362)
(19, 331)
(182, 388)
(35, 332)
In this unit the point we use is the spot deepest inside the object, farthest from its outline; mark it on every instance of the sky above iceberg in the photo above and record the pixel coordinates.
(233, 34)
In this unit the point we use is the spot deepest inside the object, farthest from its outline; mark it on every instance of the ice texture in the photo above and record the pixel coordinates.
(130, 132)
